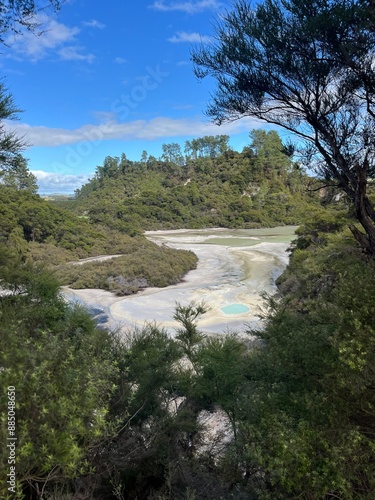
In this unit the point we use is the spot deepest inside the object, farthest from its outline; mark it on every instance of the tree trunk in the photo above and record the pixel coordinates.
(365, 214)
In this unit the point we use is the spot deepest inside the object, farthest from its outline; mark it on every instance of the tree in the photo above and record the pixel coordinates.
(13, 166)
(306, 421)
(110, 168)
(188, 334)
(63, 371)
(209, 145)
(16, 15)
(10, 144)
(19, 176)
(144, 156)
(306, 66)
(172, 153)
(269, 153)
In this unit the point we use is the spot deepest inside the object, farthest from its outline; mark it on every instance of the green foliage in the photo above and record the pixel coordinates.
(301, 403)
(319, 224)
(207, 146)
(172, 153)
(13, 166)
(147, 265)
(99, 415)
(150, 359)
(154, 452)
(307, 411)
(216, 187)
(222, 370)
(13, 169)
(303, 65)
(19, 176)
(188, 334)
(46, 234)
(270, 157)
(41, 222)
(63, 373)
(110, 418)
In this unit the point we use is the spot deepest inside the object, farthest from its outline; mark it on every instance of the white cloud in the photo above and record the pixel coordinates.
(120, 60)
(183, 36)
(55, 38)
(188, 7)
(72, 53)
(156, 128)
(58, 183)
(94, 24)
(104, 116)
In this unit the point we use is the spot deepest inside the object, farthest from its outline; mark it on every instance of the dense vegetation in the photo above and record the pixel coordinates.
(308, 68)
(307, 413)
(45, 234)
(208, 187)
(261, 186)
(144, 264)
(100, 417)
(123, 420)
(63, 375)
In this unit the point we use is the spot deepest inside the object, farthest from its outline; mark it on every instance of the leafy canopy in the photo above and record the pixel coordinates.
(306, 66)
(13, 166)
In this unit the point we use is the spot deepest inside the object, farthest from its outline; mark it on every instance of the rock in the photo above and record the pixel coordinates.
(216, 434)
(125, 286)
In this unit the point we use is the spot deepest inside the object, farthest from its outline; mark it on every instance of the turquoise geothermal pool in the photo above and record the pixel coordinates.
(235, 309)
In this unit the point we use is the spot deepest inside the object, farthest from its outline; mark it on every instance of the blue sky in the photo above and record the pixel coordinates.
(107, 78)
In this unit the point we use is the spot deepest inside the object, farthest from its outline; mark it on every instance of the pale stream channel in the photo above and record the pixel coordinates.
(235, 268)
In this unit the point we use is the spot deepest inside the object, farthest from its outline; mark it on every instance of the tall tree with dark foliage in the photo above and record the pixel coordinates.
(307, 66)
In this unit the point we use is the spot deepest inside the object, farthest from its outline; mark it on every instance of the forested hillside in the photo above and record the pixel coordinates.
(98, 416)
(210, 186)
(38, 232)
(259, 187)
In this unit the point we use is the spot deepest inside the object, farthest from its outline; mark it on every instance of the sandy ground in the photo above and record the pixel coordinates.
(225, 275)
(99, 258)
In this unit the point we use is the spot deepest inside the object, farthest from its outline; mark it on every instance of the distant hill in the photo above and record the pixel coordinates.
(57, 197)
(211, 186)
